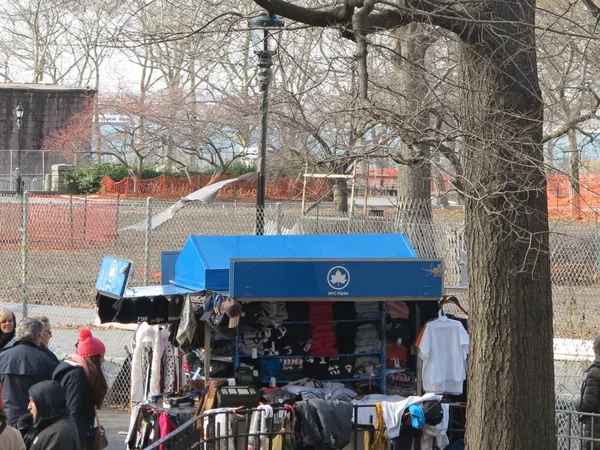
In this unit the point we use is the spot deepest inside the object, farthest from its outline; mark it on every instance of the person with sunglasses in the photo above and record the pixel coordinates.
(46, 336)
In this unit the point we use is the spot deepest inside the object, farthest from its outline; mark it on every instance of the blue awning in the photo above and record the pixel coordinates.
(300, 267)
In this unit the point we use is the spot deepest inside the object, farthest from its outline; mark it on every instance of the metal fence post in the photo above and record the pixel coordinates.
(25, 251)
(351, 217)
(147, 243)
(85, 205)
(278, 218)
(71, 224)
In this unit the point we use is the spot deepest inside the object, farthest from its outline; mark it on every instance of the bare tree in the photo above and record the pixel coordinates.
(504, 185)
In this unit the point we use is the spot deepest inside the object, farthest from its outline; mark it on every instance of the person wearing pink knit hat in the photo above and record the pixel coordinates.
(81, 376)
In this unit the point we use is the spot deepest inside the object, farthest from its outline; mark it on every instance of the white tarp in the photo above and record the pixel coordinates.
(207, 194)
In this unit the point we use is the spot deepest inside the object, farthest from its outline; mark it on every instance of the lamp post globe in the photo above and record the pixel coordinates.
(265, 32)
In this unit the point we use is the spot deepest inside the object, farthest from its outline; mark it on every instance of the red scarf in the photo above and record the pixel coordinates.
(81, 362)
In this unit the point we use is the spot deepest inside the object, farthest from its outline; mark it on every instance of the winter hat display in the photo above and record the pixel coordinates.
(89, 345)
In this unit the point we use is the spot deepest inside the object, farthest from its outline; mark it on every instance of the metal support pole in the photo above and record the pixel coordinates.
(278, 218)
(264, 77)
(71, 223)
(147, 243)
(25, 252)
(19, 178)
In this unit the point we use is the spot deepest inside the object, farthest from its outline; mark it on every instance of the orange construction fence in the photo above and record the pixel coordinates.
(82, 223)
(583, 206)
(166, 187)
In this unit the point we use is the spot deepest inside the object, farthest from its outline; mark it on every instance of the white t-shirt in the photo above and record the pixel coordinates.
(444, 348)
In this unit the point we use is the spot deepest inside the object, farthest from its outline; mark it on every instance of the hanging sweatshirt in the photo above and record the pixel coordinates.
(444, 347)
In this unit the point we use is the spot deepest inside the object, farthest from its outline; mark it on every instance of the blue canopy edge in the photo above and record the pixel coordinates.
(205, 262)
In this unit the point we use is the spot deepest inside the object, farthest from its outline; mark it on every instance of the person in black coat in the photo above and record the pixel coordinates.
(46, 336)
(53, 426)
(8, 324)
(84, 383)
(22, 366)
(590, 401)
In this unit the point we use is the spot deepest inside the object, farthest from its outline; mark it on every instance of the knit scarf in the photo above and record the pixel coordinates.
(5, 338)
(81, 362)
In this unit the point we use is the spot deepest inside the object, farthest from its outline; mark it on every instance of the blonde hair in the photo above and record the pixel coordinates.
(5, 314)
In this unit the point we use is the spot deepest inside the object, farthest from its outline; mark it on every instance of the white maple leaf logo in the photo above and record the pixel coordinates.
(338, 278)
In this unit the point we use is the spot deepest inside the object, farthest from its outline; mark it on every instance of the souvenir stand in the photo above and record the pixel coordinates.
(311, 269)
(322, 308)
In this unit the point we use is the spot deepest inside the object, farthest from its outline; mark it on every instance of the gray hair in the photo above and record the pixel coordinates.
(29, 329)
(597, 346)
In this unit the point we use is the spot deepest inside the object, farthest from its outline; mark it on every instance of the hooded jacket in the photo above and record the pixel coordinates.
(53, 427)
(590, 403)
(73, 379)
(323, 424)
(22, 366)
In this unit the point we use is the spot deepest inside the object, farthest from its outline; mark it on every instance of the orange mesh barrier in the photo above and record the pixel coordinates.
(165, 187)
(81, 224)
(581, 207)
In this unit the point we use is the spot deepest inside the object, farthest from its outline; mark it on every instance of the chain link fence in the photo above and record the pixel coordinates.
(51, 249)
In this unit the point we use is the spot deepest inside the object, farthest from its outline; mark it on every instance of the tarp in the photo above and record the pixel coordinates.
(207, 194)
(300, 267)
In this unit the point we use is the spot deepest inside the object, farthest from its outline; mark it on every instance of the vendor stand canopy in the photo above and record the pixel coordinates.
(307, 267)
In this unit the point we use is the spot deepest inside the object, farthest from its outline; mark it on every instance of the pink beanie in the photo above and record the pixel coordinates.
(89, 345)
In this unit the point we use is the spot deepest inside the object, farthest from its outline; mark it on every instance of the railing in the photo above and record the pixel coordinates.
(228, 430)
(569, 432)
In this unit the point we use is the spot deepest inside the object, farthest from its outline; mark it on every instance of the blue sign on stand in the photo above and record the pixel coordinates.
(368, 279)
(113, 276)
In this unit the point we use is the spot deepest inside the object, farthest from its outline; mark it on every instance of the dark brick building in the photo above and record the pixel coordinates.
(47, 108)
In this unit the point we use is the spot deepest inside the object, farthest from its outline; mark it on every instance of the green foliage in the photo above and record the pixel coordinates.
(86, 179)
(236, 168)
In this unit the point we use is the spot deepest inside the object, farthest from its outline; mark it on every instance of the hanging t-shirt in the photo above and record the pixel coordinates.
(444, 347)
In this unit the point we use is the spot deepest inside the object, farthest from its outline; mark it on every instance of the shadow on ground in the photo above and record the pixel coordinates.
(115, 422)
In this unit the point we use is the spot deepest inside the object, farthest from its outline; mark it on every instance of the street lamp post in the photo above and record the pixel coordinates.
(265, 33)
(19, 110)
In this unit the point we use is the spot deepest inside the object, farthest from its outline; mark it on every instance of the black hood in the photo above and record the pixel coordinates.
(51, 402)
(62, 369)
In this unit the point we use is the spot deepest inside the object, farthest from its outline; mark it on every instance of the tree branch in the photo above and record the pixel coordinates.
(385, 19)
(317, 18)
(592, 7)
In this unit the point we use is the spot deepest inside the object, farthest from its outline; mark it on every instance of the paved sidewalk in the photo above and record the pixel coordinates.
(115, 422)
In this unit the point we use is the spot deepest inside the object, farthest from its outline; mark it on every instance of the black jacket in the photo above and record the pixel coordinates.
(590, 403)
(50, 353)
(22, 366)
(323, 424)
(75, 382)
(53, 427)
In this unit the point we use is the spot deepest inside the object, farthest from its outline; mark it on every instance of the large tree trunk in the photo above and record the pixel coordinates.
(511, 379)
(414, 176)
(339, 187)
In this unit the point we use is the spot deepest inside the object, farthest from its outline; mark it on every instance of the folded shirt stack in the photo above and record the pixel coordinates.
(273, 313)
(298, 311)
(397, 309)
(345, 335)
(365, 310)
(321, 311)
(344, 311)
(323, 340)
(367, 339)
